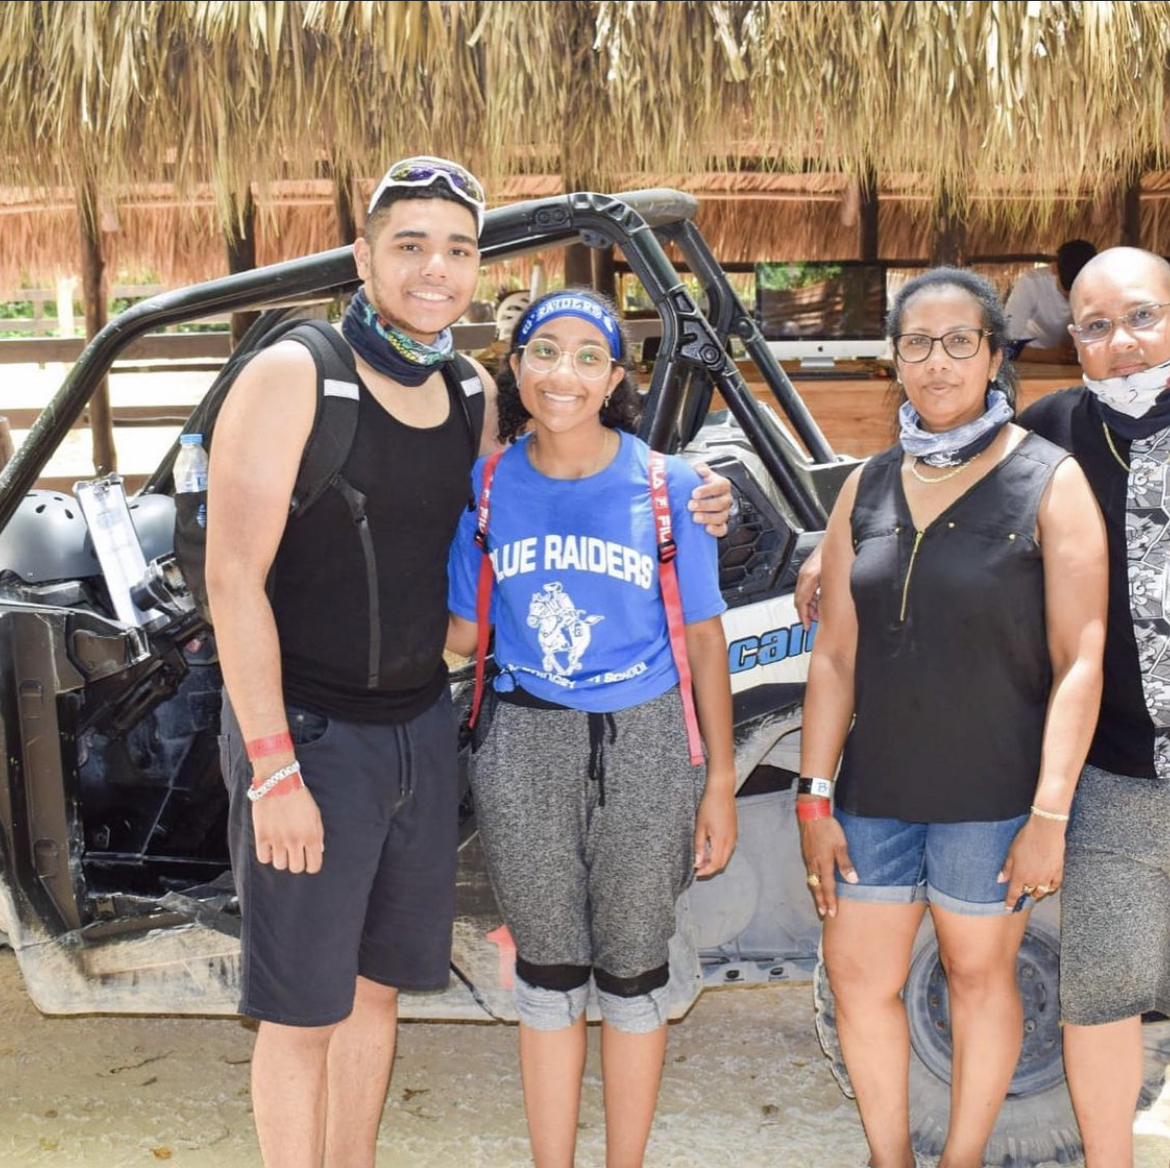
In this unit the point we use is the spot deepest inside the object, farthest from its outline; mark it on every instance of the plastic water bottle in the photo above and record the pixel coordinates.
(190, 471)
(190, 468)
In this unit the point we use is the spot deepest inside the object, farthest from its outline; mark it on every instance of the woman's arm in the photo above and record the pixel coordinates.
(461, 635)
(1076, 576)
(828, 700)
(715, 821)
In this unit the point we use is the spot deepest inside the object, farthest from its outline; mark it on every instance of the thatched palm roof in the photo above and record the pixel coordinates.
(151, 233)
(1020, 108)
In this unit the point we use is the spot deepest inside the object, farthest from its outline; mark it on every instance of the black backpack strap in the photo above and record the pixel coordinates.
(335, 423)
(466, 384)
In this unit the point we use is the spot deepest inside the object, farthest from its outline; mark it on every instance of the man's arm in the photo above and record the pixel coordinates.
(260, 436)
(711, 501)
(489, 441)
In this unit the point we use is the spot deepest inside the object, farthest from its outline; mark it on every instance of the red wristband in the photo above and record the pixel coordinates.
(813, 809)
(270, 744)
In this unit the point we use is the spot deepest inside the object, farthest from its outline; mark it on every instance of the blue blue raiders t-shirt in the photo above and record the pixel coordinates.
(576, 604)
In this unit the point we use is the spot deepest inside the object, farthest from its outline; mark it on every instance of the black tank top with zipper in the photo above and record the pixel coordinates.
(952, 673)
(359, 585)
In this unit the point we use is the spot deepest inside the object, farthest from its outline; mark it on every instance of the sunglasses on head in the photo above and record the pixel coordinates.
(424, 170)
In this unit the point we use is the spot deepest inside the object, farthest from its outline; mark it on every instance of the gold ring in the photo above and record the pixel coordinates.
(1027, 889)
(1043, 888)
(813, 880)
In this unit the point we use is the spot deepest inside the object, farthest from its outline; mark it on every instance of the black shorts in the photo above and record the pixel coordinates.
(382, 905)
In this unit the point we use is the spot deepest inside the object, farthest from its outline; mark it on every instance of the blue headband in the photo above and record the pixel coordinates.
(566, 304)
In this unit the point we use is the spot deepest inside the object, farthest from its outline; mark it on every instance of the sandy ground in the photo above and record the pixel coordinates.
(746, 1085)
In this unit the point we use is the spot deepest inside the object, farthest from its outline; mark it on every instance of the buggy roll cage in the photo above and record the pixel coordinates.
(693, 362)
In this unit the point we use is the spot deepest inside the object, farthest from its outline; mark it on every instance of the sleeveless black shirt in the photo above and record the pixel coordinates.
(416, 483)
(1123, 742)
(952, 673)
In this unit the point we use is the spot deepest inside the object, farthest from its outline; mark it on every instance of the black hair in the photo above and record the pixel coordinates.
(622, 411)
(1071, 256)
(983, 292)
(437, 189)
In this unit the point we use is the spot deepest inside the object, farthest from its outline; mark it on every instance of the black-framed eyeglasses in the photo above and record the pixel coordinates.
(589, 362)
(959, 343)
(1136, 320)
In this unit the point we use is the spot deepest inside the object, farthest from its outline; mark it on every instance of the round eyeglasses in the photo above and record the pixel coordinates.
(960, 344)
(589, 362)
(1136, 320)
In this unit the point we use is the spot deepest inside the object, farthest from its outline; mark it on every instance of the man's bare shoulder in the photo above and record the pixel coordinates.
(286, 362)
(272, 403)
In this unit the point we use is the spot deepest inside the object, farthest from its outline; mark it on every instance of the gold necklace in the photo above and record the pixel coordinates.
(1113, 449)
(532, 457)
(941, 478)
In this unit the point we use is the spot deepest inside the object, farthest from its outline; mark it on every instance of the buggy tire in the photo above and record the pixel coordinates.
(1036, 1124)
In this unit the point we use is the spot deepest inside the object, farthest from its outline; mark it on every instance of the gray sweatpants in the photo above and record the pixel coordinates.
(1115, 903)
(579, 883)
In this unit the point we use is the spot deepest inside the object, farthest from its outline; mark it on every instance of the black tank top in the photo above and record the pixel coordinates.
(952, 672)
(416, 482)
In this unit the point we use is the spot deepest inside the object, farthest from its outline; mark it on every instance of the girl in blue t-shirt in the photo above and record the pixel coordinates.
(592, 816)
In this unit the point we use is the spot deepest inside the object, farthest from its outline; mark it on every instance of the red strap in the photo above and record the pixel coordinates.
(483, 593)
(668, 582)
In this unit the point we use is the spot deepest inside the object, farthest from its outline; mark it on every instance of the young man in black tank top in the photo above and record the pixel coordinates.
(345, 871)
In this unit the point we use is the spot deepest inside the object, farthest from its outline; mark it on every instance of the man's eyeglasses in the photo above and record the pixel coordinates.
(1136, 320)
(589, 362)
(960, 343)
(423, 170)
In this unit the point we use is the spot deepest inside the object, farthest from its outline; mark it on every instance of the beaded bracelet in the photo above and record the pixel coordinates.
(1040, 813)
(821, 788)
(268, 787)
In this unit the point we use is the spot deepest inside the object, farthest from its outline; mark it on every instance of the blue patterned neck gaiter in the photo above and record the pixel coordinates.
(390, 350)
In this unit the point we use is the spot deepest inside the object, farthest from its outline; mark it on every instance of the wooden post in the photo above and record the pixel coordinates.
(604, 272)
(7, 446)
(867, 220)
(95, 292)
(1131, 211)
(241, 254)
(949, 244)
(343, 206)
(578, 266)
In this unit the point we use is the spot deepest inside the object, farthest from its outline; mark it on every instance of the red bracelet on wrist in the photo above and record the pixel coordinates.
(813, 809)
(270, 744)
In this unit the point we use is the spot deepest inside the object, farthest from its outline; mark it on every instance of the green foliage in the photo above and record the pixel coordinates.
(784, 277)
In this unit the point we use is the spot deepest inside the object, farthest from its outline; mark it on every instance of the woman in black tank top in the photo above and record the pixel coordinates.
(955, 681)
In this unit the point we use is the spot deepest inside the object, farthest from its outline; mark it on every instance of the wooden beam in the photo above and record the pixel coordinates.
(7, 446)
(1131, 211)
(343, 205)
(604, 276)
(241, 254)
(155, 347)
(95, 292)
(867, 219)
(949, 243)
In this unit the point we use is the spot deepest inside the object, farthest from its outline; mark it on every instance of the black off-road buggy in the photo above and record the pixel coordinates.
(114, 889)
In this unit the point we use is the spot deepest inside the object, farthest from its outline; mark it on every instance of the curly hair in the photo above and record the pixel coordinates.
(983, 292)
(623, 408)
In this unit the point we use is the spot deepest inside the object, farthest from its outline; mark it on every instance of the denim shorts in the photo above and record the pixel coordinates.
(953, 865)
